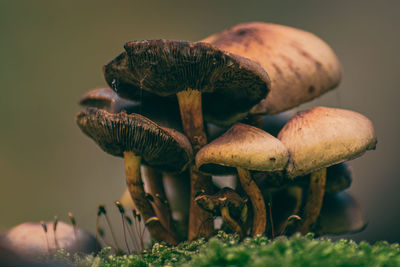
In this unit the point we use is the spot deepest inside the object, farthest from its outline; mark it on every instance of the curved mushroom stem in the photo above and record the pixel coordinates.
(154, 184)
(136, 189)
(257, 201)
(235, 227)
(315, 197)
(200, 222)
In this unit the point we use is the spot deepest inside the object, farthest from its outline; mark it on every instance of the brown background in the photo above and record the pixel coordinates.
(52, 51)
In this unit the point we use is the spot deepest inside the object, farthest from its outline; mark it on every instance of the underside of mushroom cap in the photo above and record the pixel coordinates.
(320, 137)
(159, 147)
(231, 84)
(246, 147)
(300, 65)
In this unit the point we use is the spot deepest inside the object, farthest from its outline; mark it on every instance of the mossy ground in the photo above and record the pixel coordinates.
(226, 250)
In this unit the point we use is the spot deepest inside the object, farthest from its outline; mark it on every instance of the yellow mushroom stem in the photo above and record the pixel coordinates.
(154, 185)
(257, 201)
(232, 224)
(136, 189)
(315, 195)
(201, 223)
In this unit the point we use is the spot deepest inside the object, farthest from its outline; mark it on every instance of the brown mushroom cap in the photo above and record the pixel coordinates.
(160, 147)
(320, 137)
(29, 239)
(340, 214)
(301, 65)
(231, 84)
(243, 146)
(161, 111)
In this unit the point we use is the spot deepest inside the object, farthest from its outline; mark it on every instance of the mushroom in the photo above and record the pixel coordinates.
(301, 65)
(227, 203)
(30, 240)
(246, 148)
(105, 98)
(187, 70)
(164, 113)
(138, 140)
(318, 138)
(340, 214)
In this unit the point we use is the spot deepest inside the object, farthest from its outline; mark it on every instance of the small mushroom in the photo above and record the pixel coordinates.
(246, 148)
(227, 203)
(340, 214)
(30, 240)
(164, 113)
(138, 140)
(318, 138)
(301, 65)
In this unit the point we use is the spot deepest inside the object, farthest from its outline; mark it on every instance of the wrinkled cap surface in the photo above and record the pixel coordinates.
(231, 84)
(243, 146)
(320, 137)
(300, 65)
(340, 214)
(159, 147)
(29, 239)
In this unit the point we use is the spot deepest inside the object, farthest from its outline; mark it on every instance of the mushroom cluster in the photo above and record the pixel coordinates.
(167, 98)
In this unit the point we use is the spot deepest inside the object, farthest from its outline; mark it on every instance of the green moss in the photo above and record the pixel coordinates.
(226, 250)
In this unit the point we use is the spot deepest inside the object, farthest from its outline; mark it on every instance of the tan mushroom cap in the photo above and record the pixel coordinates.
(300, 65)
(244, 146)
(320, 137)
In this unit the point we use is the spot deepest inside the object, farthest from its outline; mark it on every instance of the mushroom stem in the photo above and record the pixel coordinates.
(200, 222)
(257, 201)
(235, 227)
(155, 186)
(315, 197)
(192, 117)
(136, 189)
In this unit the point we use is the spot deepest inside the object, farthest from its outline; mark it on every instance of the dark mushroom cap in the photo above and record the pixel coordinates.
(159, 147)
(243, 146)
(231, 84)
(29, 239)
(105, 98)
(321, 137)
(301, 65)
(226, 197)
(340, 214)
(163, 112)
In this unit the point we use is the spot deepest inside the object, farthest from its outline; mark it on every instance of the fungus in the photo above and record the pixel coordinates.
(227, 203)
(318, 138)
(340, 214)
(138, 140)
(188, 70)
(29, 240)
(300, 65)
(246, 148)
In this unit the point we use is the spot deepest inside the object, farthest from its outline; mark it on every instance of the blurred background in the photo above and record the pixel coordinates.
(53, 51)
